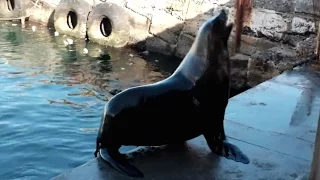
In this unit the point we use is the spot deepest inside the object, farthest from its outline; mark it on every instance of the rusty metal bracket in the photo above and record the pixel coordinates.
(243, 9)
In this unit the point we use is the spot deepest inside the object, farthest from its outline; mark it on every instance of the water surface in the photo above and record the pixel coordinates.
(52, 96)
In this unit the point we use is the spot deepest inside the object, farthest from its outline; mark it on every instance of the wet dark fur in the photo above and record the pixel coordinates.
(189, 103)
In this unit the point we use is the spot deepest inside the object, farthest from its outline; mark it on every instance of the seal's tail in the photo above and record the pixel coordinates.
(120, 163)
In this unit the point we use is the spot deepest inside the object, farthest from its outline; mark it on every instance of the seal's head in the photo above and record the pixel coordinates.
(211, 42)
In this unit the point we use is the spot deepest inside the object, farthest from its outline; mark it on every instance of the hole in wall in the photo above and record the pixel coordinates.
(105, 27)
(10, 5)
(72, 19)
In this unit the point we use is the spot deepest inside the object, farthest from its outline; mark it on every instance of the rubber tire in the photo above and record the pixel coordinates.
(81, 8)
(119, 18)
(20, 7)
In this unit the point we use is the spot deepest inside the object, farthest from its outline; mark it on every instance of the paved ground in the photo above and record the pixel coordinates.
(274, 124)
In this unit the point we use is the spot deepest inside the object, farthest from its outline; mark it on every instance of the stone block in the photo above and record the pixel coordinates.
(285, 6)
(155, 44)
(239, 67)
(140, 27)
(118, 2)
(250, 44)
(268, 23)
(301, 25)
(197, 15)
(166, 26)
(305, 6)
(176, 8)
(199, 7)
(43, 15)
(307, 48)
(272, 62)
(184, 44)
(231, 15)
(53, 2)
(143, 7)
(192, 26)
(293, 39)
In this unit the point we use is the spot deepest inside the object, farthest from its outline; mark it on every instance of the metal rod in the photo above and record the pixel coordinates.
(315, 171)
(242, 9)
(238, 23)
(318, 44)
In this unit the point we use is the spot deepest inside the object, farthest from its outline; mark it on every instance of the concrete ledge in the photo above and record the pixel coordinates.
(196, 162)
(273, 123)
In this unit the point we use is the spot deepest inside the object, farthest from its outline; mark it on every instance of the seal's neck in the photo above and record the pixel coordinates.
(195, 62)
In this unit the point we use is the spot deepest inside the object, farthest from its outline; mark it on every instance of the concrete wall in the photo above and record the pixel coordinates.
(169, 26)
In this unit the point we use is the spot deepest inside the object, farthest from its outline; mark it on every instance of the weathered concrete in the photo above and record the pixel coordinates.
(278, 138)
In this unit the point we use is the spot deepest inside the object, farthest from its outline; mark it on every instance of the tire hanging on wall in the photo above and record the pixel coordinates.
(108, 24)
(13, 8)
(70, 17)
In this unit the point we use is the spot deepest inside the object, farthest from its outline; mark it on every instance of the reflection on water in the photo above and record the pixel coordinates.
(52, 96)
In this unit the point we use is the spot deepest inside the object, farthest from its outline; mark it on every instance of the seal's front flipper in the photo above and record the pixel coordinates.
(226, 149)
(119, 162)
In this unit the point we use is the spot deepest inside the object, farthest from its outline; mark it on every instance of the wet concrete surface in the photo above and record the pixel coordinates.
(273, 123)
(287, 104)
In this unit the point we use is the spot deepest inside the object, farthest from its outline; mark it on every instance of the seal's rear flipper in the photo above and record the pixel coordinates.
(119, 162)
(226, 149)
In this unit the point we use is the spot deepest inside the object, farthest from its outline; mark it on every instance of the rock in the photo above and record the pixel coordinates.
(269, 23)
(239, 66)
(279, 5)
(292, 39)
(155, 44)
(307, 48)
(176, 8)
(301, 26)
(250, 44)
(166, 26)
(192, 25)
(115, 91)
(43, 15)
(184, 45)
(305, 7)
(143, 7)
(144, 53)
(201, 11)
(272, 62)
(140, 27)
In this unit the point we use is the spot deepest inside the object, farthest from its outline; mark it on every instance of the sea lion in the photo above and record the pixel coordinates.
(189, 103)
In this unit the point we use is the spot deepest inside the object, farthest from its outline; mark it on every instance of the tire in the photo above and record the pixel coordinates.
(108, 24)
(13, 8)
(70, 17)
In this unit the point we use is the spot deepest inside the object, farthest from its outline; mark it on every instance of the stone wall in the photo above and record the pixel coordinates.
(169, 27)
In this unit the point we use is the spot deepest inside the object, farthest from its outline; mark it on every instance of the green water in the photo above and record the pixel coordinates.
(52, 96)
